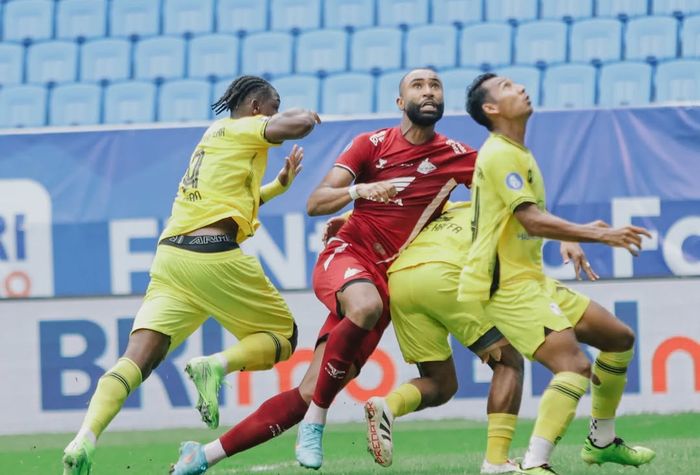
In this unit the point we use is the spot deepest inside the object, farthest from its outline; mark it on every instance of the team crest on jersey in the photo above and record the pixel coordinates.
(426, 167)
(377, 138)
(381, 162)
(514, 181)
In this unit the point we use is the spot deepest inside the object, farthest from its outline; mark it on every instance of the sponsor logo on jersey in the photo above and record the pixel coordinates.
(377, 138)
(514, 181)
(426, 167)
(381, 162)
(457, 147)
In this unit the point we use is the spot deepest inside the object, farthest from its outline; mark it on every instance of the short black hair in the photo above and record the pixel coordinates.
(476, 96)
(403, 78)
(238, 90)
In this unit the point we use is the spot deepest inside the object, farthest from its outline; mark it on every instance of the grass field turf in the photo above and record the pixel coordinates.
(425, 447)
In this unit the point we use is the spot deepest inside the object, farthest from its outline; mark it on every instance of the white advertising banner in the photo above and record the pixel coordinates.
(52, 353)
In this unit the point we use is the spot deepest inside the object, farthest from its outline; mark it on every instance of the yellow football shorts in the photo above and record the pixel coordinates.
(187, 287)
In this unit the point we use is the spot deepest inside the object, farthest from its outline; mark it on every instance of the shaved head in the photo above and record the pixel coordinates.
(416, 74)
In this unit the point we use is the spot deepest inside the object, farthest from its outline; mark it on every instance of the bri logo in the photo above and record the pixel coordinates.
(333, 372)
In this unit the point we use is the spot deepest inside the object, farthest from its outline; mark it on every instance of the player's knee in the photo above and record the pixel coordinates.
(581, 366)
(448, 389)
(626, 339)
(365, 314)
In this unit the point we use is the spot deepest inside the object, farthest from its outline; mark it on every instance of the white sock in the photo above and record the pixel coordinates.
(85, 433)
(602, 432)
(538, 452)
(315, 414)
(222, 361)
(214, 452)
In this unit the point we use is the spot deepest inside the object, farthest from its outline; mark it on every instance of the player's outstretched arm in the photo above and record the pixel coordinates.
(336, 191)
(281, 183)
(291, 124)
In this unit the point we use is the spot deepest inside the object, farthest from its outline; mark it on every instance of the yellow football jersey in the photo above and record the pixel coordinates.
(506, 176)
(223, 178)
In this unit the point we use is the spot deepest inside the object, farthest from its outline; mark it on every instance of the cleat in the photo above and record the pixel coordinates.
(545, 469)
(192, 460)
(616, 452)
(379, 422)
(207, 375)
(508, 467)
(77, 458)
(309, 449)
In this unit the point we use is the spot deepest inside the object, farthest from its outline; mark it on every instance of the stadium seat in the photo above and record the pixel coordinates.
(454, 84)
(376, 48)
(511, 10)
(105, 59)
(75, 104)
(402, 12)
(322, 51)
(348, 13)
(431, 45)
(187, 16)
(596, 40)
(130, 102)
(28, 19)
(457, 11)
(569, 86)
(184, 100)
(566, 9)
(651, 38)
(22, 106)
(295, 14)
(159, 58)
(678, 80)
(624, 84)
(485, 44)
(350, 93)
(267, 53)
(233, 16)
(675, 7)
(624, 8)
(540, 42)
(218, 90)
(388, 91)
(690, 37)
(11, 63)
(298, 91)
(134, 17)
(53, 61)
(212, 56)
(81, 19)
(528, 76)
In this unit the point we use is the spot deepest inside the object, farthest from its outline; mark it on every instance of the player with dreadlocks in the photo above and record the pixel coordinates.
(199, 269)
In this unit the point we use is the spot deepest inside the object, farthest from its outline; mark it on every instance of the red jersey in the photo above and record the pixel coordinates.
(424, 175)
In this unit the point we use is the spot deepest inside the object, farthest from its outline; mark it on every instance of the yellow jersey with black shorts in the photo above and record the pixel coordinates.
(189, 282)
(527, 303)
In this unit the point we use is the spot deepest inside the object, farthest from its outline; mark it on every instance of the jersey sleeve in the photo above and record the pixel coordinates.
(251, 131)
(509, 178)
(356, 155)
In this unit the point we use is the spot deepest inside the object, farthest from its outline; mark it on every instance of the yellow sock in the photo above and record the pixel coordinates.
(256, 352)
(500, 434)
(611, 371)
(403, 400)
(558, 405)
(111, 392)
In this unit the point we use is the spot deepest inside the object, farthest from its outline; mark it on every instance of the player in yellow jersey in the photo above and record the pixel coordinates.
(508, 221)
(199, 269)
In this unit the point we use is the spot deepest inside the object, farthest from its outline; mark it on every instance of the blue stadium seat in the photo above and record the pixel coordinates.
(678, 80)
(349, 93)
(295, 14)
(322, 50)
(298, 91)
(184, 100)
(130, 102)
(624, 84)
(267, 53)
(622, 8)
(11, 63)
(540, 42)
(28, 19)
(159, 58)
(75, 104)
(81, 19)
(454, 84)
(597, 40)
(187, 16)
(376, 48)
(485, 44)
(528, 76)
(105, 59)
(651, 37)
(431, 45)
(134, 17)
(233, 16)
(569, 86)
(22, 106)
(690, 37)
(53, 61)
(511, 10)
(457, 11)
(566, 9)
(212, 55)
(675, 7)
(348, 13)
(402, 12)
(388, 91)
(218, 90)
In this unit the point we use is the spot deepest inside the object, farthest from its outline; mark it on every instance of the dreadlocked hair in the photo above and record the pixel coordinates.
(238, 90)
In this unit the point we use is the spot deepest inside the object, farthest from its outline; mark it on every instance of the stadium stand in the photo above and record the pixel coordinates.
(184, 100)
(160, 57)
(348, 13)
(349, 93)
(107, 59)
(52, 62)
(540, 43)
(569, 86)
(678, 81)
(485, 45)
(431, 45)
(454, 84)
(458, 12)
(267, 53)
(528, 76)
(596, 40)
(651, 38)
(388, 91)
(566, 9)
(625, 84)
(23, 105)
(187, 16)
(403, 12)
(511, 10)
(80, 19)
(28, 20)
(621, 8)
(376, 48)
(322, 51)
(11, 63)
(130, 102)
(134, 18)
(241, 16)
(212, 56)
(295, 14)
(298, 91)
(75, 104)
(690, 37)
